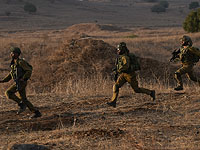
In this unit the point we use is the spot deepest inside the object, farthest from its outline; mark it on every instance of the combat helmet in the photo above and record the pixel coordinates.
(187, 41)
(122, 47)
(15, 50)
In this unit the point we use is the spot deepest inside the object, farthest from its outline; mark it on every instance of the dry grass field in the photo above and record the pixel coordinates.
(72, 77)
(73, 102)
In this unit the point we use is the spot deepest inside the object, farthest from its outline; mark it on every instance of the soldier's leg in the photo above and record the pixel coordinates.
(118, 84)
(22, 94)
(178, 74)
(10, 94)
(131, 79)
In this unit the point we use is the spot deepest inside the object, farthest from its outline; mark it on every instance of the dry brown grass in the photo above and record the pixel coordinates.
(75, 115)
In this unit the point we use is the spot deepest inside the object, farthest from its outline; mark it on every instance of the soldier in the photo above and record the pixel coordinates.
(126, 74)
(20, 71)
(189, 56)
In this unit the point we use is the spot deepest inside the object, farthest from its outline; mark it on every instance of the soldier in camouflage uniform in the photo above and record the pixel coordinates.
(189, 56)
(20, 71)
(126, 75)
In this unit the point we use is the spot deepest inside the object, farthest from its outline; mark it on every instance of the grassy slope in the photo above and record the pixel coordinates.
(78, 118)
(62, 14)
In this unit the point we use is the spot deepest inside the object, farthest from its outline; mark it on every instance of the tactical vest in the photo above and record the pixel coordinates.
(186, 56)
(17, 72)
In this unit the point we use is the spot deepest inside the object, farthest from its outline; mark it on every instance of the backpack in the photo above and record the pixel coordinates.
(21, 72)
(195, 57)
(134, 63)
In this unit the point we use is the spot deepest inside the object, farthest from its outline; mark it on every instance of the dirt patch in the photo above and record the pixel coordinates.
(106, 133)
(41, 124)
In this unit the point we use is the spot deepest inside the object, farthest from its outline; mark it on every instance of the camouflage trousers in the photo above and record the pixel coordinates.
(188, 70)
(131, 79)
(10, 94)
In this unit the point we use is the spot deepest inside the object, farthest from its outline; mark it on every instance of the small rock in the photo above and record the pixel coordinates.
(28, 147)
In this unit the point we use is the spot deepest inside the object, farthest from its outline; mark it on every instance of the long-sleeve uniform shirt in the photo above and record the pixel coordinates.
(20, 69)
(123, 64)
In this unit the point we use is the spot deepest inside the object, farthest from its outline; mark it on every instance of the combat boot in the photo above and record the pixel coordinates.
(113, 104)
(178, 88)
(22, 108)
(153, 94)
(37, 114)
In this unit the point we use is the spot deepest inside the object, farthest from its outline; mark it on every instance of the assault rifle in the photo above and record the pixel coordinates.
(175, 54)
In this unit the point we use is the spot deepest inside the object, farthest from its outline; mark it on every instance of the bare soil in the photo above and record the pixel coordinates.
(136, 123)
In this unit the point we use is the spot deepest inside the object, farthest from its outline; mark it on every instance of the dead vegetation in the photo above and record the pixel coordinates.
(72, 82)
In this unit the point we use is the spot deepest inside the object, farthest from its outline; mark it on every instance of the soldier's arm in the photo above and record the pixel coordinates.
(195, 51)
(27, 69)
(7, 78)
(125, 65)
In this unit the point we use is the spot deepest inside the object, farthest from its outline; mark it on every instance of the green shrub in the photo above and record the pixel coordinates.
(30, 8)
(158, 8)
(193, 5)
(192, 22)
(164, 4)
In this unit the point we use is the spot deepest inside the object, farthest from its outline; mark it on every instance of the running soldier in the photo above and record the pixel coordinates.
(20, 72)
(189, 56)
(126, 69)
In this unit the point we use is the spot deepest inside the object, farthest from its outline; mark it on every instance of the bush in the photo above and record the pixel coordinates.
(30, 8)
(158, 8)
(191, 23)
(150, 1)
(164, 4)
(193, 5)
(7, 13)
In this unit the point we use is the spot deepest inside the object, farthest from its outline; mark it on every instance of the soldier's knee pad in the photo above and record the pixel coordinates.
(115, 88)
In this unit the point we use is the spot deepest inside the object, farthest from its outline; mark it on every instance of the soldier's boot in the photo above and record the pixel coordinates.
(153, 94)
(22, 108)
(113, 104)
(36, 114)
(178, 88)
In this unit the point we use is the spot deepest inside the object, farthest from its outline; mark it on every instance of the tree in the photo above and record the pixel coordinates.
(151, 1)
(158, 8)
(30, 8)
(193, 5)
(191, 23)
(164, 4)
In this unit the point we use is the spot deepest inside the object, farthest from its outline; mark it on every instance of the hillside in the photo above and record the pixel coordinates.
(72, 81)
(59, 14)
